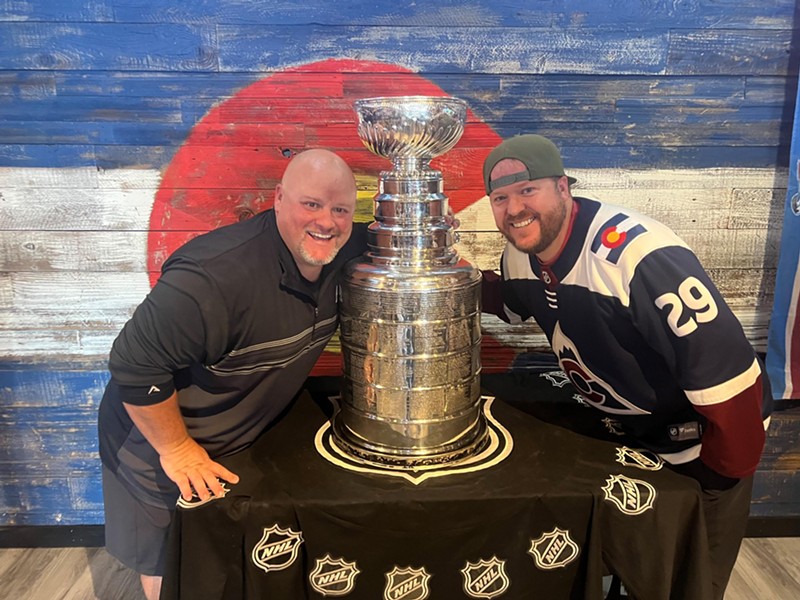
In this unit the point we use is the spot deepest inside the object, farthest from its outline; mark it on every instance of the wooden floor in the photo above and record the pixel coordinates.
(767, 569)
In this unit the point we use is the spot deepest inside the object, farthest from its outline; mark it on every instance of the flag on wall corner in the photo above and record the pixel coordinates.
(783, 345)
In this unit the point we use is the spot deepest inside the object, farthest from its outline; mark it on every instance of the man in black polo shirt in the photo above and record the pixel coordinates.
(217, 351)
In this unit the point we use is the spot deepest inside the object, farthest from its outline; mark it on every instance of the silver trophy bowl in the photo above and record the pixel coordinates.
(410, 130)
(410, 309)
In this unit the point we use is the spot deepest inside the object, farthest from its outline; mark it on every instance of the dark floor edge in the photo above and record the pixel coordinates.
(52, 536)
(773, 527)
(92, 536)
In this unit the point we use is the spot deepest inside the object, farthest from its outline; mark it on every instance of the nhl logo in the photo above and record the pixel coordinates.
(195, 501)
(333, 576)
(485, 579)
(406, 584)
(641, 459)
(553, 550)
(277, 549)
(631, 496)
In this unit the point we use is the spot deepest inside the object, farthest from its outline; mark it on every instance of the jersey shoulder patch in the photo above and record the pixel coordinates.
(617, 230)
(615, 234)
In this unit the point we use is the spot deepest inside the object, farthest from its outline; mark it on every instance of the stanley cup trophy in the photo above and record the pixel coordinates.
(410, 311)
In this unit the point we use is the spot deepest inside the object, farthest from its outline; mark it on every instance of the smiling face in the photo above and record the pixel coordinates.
(314, 207)
(531, 214)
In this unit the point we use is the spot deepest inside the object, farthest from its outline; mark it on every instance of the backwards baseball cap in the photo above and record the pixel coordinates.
(539, 155)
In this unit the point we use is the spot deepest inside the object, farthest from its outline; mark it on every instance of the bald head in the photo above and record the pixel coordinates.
(323, 165)
(314, 207)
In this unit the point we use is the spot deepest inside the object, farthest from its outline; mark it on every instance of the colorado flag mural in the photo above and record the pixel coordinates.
(129, 126)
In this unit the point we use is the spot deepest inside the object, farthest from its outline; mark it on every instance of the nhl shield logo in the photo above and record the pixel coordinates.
(277, 549)
(641, 459)
(333, 576)
(406, 584)
(195, 501)
(631, 496)
(486, 578)
(554, 549)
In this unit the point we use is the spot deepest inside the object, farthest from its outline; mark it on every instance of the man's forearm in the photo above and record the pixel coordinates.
(161, 424)
(184, 461)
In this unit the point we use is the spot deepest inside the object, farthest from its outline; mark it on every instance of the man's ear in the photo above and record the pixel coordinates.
(278, 196)
(563, 184)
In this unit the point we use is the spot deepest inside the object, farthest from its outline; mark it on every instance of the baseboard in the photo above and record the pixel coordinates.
(52, 536)
(91, 536)
(773, 527)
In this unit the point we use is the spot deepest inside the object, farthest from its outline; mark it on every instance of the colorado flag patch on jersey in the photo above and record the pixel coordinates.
(615, 235)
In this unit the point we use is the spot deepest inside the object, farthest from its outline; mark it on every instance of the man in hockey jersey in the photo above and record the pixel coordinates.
(217, 351)
(637, 325)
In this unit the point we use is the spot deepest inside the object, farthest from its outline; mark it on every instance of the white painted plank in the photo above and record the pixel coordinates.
(675, 179)
(31, 177)
(43, 251)
(128, 179)
(88, 291)
(75, 209)
(23, 346)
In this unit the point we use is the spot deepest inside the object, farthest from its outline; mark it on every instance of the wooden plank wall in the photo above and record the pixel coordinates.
(128, 126)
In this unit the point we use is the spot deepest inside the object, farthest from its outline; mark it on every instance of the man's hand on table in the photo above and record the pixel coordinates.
(189, 466)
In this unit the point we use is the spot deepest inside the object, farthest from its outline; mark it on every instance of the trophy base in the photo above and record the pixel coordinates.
(471, 442)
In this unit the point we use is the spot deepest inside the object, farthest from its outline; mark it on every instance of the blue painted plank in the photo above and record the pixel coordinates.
(491, 87)
(668, 111)
(92, 108)
(689, 123)
(772, 90)
(86, 492)
(51, 441)
(112, 84)
(596, 89)
(149, 134)
(87, 132)
(35, 386)
(38, 155)
(132, 157)
(50, 501)
(31, 495)
(456, 49)
(730, 52)
(719, 14)
(151, 47)
(541, 99)
(77, 155)
(597, 156)
(26, 84)
(446, 13)
(58, 11)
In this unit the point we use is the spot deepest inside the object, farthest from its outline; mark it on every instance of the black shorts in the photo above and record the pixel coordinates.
(136, 533)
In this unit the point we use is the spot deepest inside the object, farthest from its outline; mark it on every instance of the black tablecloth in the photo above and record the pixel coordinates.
(545, 522)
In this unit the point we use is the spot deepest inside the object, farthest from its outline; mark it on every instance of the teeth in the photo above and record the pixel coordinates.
(320, 236)
(524, 223)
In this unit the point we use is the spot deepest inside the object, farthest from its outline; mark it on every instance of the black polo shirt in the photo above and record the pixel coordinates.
(233, 326)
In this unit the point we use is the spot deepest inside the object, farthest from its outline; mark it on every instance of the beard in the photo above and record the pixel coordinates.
(550, 225)
(318, 261)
